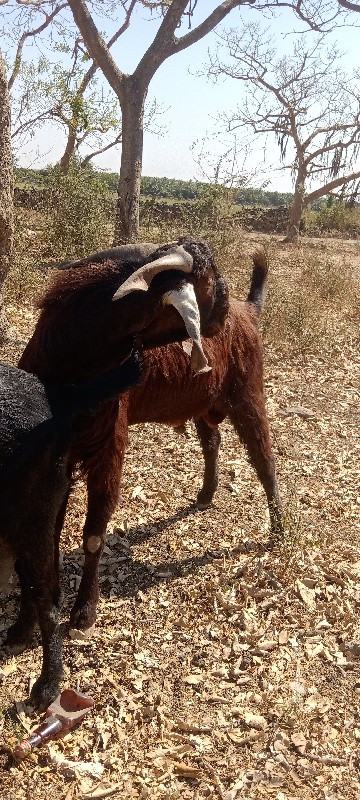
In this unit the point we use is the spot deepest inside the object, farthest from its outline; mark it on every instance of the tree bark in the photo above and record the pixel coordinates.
(127, 208)
(302, 200)
(296, 210)
(331, 185)
(6, 193)
(69, 151)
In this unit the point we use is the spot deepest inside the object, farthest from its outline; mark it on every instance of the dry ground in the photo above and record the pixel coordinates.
(219, 671)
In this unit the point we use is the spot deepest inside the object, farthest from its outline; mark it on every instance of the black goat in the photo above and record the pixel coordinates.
(35, 434)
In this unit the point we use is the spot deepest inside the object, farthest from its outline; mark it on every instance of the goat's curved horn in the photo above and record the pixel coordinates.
(141, 279)
(184, 300)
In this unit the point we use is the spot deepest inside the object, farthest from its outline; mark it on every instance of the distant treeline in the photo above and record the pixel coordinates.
(166, 188)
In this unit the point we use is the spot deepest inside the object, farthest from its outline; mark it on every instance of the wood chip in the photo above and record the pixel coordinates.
(101, 791)
(189, 727)
(186, 771)
(256, 721)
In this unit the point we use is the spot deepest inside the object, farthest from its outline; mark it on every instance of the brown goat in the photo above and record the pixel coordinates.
(167, 394)
(164, 296)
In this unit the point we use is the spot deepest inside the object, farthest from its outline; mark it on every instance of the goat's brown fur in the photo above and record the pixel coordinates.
(169, 393)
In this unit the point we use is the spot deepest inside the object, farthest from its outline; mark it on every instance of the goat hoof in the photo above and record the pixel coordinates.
(82, 618)
(203, 501)
(80, 635)
(202, 506)
(204, 498)
(43, 693)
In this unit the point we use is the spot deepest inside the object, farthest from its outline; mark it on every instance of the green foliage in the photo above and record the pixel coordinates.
(76, 213)
(56, 91)
(171, 187)
(332, 215)
(194, 190)
(318, 204)
(212, 205)
(260, 197)
(31, 178)
(336, 215)
(161, 188)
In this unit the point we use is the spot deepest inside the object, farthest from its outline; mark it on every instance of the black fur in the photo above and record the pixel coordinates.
(257, 291)
(35, 436)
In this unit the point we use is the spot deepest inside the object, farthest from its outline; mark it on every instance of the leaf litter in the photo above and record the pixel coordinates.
(219, 669)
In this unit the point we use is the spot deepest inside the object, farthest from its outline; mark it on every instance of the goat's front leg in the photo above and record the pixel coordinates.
(103, 491)
(59, 524)
(40, 601)
(47, 601)
(210, 442)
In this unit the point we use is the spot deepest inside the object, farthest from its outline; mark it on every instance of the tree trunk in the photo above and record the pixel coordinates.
(296, 210)
(127, 209)
(6, 193)
(69, 151)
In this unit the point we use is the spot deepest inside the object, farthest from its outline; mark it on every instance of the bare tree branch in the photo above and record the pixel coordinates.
(349, 6)
(94, 66)
(30, 123)
(26, 35)
(328, 187)
(86, 160)
(207, 25)
(327, 142)
(96, 46)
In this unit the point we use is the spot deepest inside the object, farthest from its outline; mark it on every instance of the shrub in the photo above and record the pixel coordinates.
(329, 280)
(76, 213)
(212, 206)
(338, 217)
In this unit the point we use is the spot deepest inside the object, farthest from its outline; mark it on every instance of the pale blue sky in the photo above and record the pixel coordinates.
(190, 102)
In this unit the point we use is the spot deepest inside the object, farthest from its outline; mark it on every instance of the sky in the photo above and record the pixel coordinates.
(191, 104)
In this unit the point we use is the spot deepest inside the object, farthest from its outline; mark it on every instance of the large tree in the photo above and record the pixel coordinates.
(6, 192)
(131, 90)
(304, 99)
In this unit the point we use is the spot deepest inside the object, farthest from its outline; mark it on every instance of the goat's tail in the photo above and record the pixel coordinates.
(70, 399)
(257, 291)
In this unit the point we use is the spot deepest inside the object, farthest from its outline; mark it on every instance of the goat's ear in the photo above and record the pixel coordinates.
(184, 300)
(141, 279)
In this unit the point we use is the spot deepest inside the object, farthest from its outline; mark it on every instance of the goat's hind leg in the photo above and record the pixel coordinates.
(102, 500)
(19, 634)
(250, 421)
(210, 439)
